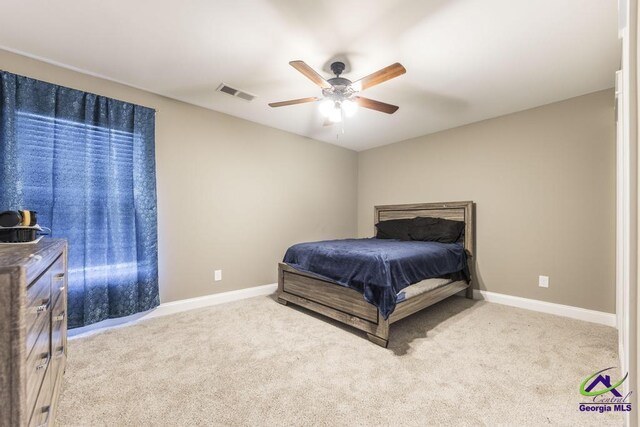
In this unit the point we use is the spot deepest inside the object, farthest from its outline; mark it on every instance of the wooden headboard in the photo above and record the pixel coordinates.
(457, 211)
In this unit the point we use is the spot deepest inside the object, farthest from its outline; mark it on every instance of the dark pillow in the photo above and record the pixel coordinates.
(436, 230)
(394, 229)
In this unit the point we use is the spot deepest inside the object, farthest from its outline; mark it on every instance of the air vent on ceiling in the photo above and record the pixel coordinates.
(235, 92)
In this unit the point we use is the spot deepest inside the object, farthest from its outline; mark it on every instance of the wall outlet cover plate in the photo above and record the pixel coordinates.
(543, 281)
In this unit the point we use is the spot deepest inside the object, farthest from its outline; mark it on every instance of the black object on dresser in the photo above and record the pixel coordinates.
(33, 331)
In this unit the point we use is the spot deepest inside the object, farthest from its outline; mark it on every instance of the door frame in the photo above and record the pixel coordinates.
(627, 200)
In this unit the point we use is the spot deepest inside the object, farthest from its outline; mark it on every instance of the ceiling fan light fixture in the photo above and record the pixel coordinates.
(349, 107)
(326, 106)
(336, 115)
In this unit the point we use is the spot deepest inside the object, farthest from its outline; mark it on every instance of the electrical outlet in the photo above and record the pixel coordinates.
(217, 275)
(543, 281)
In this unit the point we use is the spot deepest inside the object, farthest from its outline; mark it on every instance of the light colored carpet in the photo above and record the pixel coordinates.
(258, 363)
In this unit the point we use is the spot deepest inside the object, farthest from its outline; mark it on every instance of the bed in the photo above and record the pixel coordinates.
(325, 295)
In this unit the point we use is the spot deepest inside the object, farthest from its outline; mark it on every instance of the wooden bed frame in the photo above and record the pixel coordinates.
(348, 306)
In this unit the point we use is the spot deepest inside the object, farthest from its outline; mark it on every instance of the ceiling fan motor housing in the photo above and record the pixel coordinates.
(339, 81)
(337, 68)
(341, 87)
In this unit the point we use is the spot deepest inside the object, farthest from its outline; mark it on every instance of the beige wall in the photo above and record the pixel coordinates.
(256, 190)
(544, 185)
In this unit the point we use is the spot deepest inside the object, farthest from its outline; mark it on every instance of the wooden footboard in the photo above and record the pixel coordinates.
(348, 306)
(339, 303)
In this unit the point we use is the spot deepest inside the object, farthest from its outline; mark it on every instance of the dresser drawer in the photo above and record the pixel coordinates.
(38, 308)
(58, 280)
(42, 412)
(37, 364)
(58, 363)
(59, 331)
(58, 324)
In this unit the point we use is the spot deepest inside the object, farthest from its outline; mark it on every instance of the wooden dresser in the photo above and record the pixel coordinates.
(33, 331)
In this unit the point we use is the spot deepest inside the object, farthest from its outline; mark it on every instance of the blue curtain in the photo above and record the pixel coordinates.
(86, 164)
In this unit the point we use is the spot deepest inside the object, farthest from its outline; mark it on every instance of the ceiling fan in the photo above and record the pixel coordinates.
(339, 94)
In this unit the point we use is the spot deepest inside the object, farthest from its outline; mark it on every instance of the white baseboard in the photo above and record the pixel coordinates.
(608, 319)
(174, 307)
(209, 300)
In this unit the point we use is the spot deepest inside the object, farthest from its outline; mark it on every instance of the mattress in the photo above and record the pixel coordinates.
(420, 288)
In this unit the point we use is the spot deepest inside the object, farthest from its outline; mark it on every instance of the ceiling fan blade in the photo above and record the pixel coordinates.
(293, 102)
(376, 105)
(380, 76)
(310, 74)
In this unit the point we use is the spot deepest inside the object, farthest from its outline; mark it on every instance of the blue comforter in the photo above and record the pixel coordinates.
(377, 268)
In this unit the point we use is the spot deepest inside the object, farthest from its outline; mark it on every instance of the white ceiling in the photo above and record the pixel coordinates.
(466, 60)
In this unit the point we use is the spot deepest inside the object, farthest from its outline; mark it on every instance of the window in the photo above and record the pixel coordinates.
(86, 165)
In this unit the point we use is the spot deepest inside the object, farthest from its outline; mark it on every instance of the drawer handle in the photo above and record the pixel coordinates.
(42, 307)
(46, 409)
(43, 364)
(60, 352)
(59, 317)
